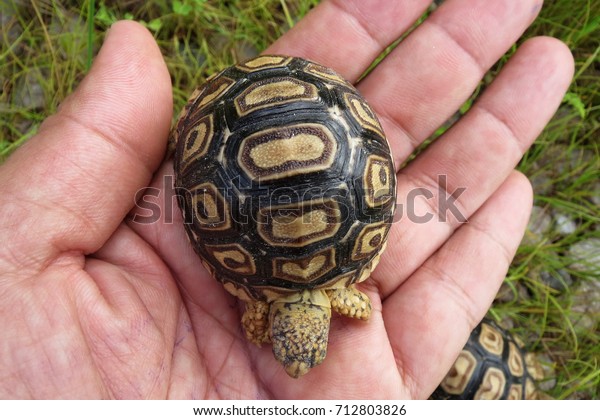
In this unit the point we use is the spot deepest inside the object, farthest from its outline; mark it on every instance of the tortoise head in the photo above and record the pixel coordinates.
(300, 329)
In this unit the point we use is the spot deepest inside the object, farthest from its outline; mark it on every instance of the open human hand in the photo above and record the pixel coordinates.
(94, 305)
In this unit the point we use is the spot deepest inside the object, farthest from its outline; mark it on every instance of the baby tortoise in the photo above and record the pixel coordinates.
(287, 187)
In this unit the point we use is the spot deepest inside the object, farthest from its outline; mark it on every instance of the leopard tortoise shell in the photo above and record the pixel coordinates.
(492, 366)
(287, 188)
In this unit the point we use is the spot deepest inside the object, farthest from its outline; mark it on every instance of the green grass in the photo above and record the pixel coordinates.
(567, 158)
(51, 44)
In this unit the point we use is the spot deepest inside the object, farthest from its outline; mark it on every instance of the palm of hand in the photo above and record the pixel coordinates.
(98, 306)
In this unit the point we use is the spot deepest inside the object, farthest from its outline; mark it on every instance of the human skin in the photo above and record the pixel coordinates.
(94, 305)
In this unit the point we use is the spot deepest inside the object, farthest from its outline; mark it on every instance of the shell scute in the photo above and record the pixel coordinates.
(492, 365)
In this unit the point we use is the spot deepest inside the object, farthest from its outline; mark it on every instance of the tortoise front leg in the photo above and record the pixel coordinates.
(350, 302)
(256, 322)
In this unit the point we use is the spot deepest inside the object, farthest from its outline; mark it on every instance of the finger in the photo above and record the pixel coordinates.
(435, 69)
(475, 156)
(74, 181)
(430, 316)
(347, 35)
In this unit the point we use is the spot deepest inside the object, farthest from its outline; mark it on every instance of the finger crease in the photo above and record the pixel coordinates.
(409, 378)
(503, 124)
(385, 116)
(461, 297)
(472, 57)
(365, 28)
(506, 253)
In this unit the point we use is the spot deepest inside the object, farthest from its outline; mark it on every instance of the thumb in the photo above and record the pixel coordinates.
(69, 187)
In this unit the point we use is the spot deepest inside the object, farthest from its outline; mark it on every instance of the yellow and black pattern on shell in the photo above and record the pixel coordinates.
(277, 90)
(492, 366)
(209, 209)
(299, 224)
(307, 269)
(284, 177)
(264, 62)
(233, 257)
(369, 240)
(197, 140)
(282, 152)
(377, 181)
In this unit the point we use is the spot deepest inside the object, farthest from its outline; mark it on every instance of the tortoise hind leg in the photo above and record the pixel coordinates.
(350, 302)
(256, 322)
